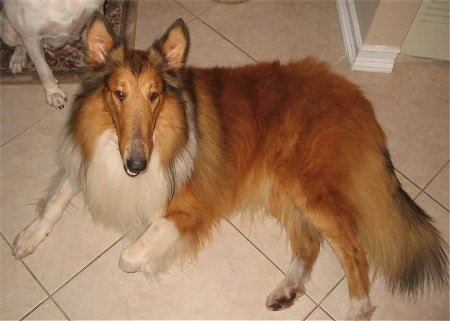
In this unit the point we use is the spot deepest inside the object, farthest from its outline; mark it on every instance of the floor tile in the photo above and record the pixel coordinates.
(47, 311)
(154, 18)
(25, 177)
(27, 165)
(280, 30)
(412, 107)
(318, 314)
(433, 306)
(74, 243)
(195, 6)
(412, 190)
(19, 291)
(22, 106)
(208, 49)
(437, 212)
(229, 281)
(439, 189)
(271, 239)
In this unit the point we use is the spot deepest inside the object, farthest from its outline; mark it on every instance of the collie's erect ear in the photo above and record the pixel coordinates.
(174, 44)
(99, 40)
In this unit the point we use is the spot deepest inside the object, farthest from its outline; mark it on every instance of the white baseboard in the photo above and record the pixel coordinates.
(362, 57)
(375, 58)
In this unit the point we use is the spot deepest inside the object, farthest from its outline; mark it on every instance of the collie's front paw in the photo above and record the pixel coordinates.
(28, 240)
(131, 260)
(154, 251)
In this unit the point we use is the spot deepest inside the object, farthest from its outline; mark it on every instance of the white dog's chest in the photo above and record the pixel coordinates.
(118, 200)
(51, 18)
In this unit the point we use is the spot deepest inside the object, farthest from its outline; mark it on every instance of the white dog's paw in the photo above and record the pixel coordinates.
(56, 97)
(18, 60)
(28, 240)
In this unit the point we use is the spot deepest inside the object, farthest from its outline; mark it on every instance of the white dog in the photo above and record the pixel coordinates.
(29, 25)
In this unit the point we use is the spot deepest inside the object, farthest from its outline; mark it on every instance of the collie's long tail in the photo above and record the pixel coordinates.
(423, 259)
(401, 241)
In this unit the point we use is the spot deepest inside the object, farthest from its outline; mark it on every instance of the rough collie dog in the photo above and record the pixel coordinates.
(171, 150)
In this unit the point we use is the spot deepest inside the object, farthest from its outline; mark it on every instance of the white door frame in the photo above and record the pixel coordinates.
(362, 57)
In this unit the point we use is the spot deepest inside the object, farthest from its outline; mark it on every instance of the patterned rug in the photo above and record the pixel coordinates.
(121, 16)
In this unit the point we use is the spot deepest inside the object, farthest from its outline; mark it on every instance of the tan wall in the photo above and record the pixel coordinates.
(391, 22)
(366, 11)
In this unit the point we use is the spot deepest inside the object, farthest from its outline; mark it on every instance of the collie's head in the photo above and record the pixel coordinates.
(141, 91)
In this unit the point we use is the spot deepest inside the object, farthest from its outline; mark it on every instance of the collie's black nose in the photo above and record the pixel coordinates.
(135, 165)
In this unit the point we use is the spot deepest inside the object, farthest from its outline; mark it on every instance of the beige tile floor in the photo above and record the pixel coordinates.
(74, 274)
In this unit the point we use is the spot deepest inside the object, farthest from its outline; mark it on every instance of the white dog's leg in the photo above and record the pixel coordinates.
(55, 95)
(12, 39)
(153, 252)
(27, 240)
(18, 60)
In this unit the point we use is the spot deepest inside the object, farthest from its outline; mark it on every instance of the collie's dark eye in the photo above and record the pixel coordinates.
(120, 95)
(153, 96)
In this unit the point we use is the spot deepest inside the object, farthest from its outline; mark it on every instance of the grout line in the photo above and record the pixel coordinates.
(255, 246)
(338, 61)
(49, 296)
(423, 190)
(398, 172)
(326, 312)
(27, 128)
(332, 289)
(194, 14)
(266, 256)
(59, 288)
(197, 17)
(310, 312)
(229, 40)
(436, 175)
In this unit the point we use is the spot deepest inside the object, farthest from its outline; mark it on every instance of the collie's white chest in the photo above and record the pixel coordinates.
(118, 200)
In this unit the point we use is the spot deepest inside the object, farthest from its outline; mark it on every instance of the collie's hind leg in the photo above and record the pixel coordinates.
(28, 240)
(333, 217)
(305, 245)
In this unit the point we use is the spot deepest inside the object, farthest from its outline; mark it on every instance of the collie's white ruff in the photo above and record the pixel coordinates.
(118, 200)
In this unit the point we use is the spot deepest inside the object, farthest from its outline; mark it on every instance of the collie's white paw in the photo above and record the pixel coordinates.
(360, 310)
(131, 260)
(154, 251)
(28, 240)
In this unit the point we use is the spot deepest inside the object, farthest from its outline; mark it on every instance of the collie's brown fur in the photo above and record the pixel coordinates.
(295, 139)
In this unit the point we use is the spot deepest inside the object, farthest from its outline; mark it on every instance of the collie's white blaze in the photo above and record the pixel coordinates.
(118, 200)
(360, 309)
(154, 251)
(289, 289)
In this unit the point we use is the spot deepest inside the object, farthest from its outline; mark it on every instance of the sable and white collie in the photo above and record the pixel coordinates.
(170, 150)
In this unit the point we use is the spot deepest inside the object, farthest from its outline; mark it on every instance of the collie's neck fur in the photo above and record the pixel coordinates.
(117, 200)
